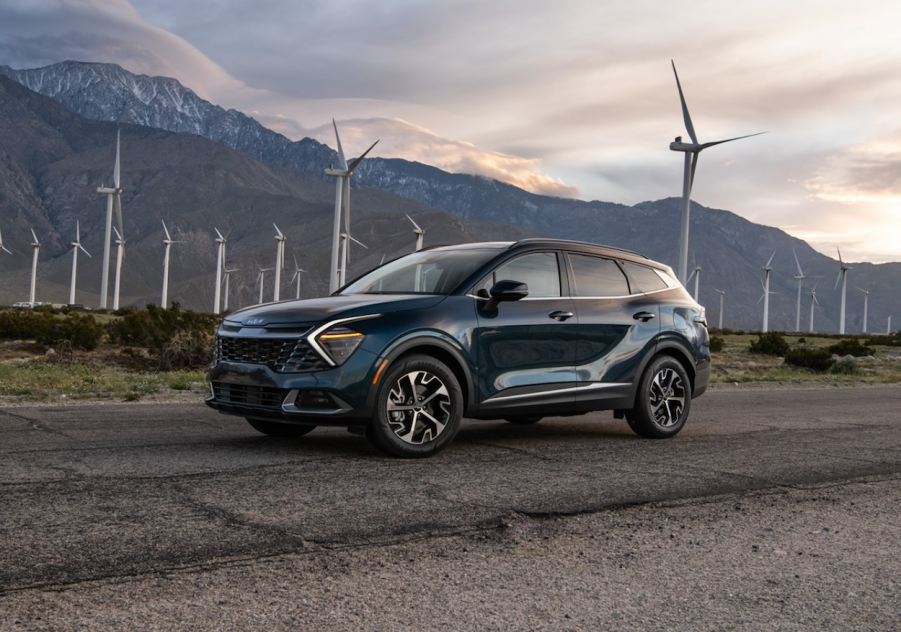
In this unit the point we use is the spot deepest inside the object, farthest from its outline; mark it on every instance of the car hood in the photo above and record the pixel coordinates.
(317, 310)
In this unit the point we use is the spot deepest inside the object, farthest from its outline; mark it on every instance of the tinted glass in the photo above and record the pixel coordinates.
(594, 276)
(424, 272)
(539, 271)
(645, 279)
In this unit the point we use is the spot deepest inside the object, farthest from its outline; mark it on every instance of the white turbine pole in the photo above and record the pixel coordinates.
(813, 301)
(220, 263)
(297, 271)
(228, 274)
(888, 329)
(766, 293)
(120, 252)
(2, 247)
(691, 150)
(279, 262)
(842, 276)
(113, 194)
(261, 277)
(722, 294)
(800, 277)
(866, 300)
(76, 245)
(168, 243)
(342, 195)
(34, 266)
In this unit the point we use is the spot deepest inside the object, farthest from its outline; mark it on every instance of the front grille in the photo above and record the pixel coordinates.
(248, 395)
(282, 354)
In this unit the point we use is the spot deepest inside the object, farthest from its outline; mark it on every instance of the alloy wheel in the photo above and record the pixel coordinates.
(667, 397)
(419, 407)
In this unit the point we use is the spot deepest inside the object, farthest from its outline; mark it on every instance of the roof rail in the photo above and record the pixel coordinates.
(581, 243)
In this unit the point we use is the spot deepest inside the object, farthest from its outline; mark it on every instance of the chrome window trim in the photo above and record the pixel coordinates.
(311, 338)
(575, 298)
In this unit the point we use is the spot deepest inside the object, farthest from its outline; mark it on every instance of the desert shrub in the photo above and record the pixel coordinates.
(772, 343)
(845, 367)
(851, 346)
(717, 344)
(25, 324)
(887, 341)
(802, 340)
(177, 339)
(81, 331)
(819, 360)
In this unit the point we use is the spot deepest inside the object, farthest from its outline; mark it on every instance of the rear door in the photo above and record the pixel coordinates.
(618, 325)
(527, 348)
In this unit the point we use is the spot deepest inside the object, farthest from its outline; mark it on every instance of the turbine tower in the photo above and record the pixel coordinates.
(842, 277)
(260, 279)
(114, 198)
(297, 271)
(342, 200)
(800, 277)
(866, 300)
(34, 266)
(420, 233)
(691, 151)
(76, 246)
(722, 294)
(220, 264)
(225, 294)
(813, 301)
(766, 293)
(696, 273)
(279, 262)
(120, 253)
(888, 329)
(2, 247)
(345, 242)
(168, 242)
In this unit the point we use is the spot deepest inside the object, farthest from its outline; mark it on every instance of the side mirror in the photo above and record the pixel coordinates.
(506, 291)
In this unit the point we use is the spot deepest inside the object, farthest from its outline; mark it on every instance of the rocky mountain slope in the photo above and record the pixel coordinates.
(730, 250)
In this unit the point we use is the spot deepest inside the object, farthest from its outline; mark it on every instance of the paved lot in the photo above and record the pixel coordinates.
(106, 506)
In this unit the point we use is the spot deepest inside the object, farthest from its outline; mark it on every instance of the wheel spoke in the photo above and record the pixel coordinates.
(419, 407)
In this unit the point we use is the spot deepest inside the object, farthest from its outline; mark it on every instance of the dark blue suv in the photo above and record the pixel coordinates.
(513, 331)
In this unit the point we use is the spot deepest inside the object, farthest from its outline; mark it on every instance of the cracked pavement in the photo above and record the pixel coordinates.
(133, 492)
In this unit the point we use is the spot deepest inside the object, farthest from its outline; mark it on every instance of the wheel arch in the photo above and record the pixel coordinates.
(679, 352)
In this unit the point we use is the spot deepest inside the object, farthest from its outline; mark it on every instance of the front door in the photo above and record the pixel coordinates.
(527, 348)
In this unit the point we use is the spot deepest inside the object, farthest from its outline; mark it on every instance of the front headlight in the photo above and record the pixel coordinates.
(340, 342)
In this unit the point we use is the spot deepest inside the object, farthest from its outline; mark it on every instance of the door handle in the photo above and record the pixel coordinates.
(643, 316)
(560, 315)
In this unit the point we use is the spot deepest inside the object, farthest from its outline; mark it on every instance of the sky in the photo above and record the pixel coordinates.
(574, 98)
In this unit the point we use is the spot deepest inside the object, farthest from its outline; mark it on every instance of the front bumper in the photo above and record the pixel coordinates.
(336, 396)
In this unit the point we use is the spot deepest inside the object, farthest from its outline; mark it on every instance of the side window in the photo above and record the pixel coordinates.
(539, 271)
(645, 279)
(594, 276)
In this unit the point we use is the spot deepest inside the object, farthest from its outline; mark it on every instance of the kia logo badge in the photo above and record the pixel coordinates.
(253, 321)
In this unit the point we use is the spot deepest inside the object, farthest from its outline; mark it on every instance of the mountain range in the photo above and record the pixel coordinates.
(283, 180)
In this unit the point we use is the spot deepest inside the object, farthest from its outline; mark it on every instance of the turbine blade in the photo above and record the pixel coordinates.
(359, 242)
(276, 230)
(84, 251)
(5, 249)
(771, 259)
(837, 279)
(35, 236)
(78, 232)
(119, 213)
(694, 166)
(815, 286)
(295, 262)
(729, 140)
(116, 230)
(357, 161)
(166, 230)
(218, 233)
(761, 298)
(839, 255)
(691, 276)
(343, 163)
(685, 115)
(800, 274)
(414, 223)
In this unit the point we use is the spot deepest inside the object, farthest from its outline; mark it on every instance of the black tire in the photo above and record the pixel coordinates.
(418, 409)
(523, 420)
(663, 400)
(276, 429)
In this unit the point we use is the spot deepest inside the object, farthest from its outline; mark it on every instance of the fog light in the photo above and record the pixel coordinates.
(314, 399)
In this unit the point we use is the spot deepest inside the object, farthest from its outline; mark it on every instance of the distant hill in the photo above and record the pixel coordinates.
(730, 249)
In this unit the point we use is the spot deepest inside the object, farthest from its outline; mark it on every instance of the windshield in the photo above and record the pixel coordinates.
(424, 272)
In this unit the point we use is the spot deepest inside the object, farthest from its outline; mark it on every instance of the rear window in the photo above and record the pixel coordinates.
(644, 279)
(594, 276)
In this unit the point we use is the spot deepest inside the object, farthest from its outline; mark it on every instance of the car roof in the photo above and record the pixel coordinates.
(547, 242)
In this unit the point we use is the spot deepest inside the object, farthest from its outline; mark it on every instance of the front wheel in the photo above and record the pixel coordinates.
(663, 400)
(418, 408)
(276, 429)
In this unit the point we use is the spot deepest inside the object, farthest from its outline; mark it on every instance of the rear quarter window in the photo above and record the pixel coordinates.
(644, 279)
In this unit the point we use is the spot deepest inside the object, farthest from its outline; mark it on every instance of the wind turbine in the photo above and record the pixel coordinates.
(722, 294)
(168, 242)
(2, 247)
(342, 199)
(113, 195)
(76, 246)
(420, 233)
(297, 272)
(279, 262)
(813, 301)
(766, 293)
(691, 151)
(346, 238)
(34, 266)
(888, 329)
(260, 279)
(842, 276)
(800, 277)
(120, 253)
(866, 300)
(225, 295)
(696, 273)
(220, 264)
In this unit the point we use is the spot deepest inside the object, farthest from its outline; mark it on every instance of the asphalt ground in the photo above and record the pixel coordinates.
(162, 516)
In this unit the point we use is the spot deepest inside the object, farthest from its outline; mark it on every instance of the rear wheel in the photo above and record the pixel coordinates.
(663, 400)
(276, 429)
(523, 420)
(418, 408)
